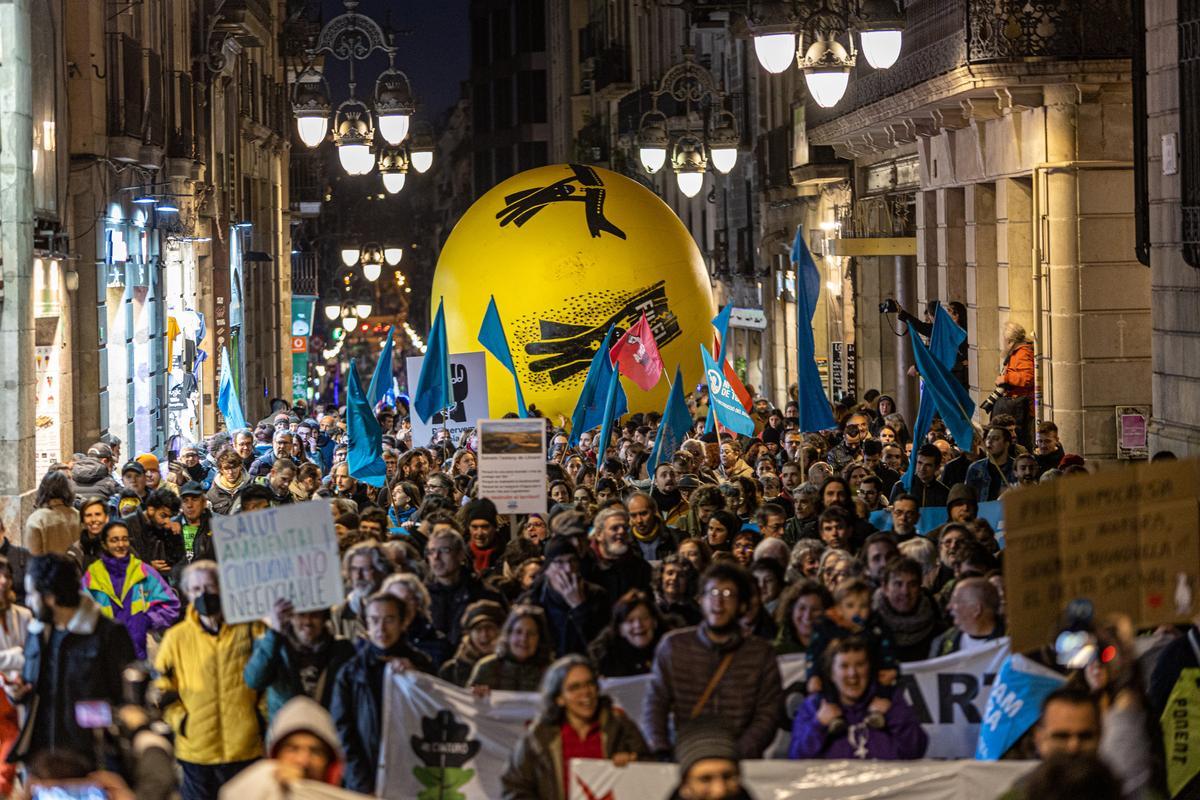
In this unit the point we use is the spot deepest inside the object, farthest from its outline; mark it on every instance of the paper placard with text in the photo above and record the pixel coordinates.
(512, 464)
(290, 551)
(468, 381)
(1127, 539)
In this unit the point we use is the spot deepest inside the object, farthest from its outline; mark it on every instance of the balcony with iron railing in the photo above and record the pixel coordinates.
(125, 110)
(944, 35)
(304, 273)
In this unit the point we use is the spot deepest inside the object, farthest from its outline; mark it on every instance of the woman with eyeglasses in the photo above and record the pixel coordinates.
(576, 721)
(128, 590)
(837, 566)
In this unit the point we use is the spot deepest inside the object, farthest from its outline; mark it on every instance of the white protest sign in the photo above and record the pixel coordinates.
(811, 780)
(512, 464)
(290, 551)
(948, 694)
(468, 377)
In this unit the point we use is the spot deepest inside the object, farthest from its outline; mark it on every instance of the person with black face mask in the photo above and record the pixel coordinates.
(215, 715)
(73, 653)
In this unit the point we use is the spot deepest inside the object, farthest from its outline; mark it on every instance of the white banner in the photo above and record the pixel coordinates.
(468, 377)
(812, 780)
(290, 551)
(464, 742)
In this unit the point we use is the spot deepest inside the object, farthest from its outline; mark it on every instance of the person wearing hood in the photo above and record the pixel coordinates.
(230, 480)
(195, 469)
(302, 745)
(847, 667)
(357, 706)
(883, 405)
(216, 717)
(128, 590)
(575, 721)
(613, 563)
(93, 480)
(297, 656)
(73, 653)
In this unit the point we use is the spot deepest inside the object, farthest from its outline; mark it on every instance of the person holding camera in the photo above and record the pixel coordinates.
(1015, 385)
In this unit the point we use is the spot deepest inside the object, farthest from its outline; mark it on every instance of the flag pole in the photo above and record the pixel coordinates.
(720, 461)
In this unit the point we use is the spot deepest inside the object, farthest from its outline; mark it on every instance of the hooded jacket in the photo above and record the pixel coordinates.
(92, 480)
(273, 666)
(216, 717)
(902, 738)
(298, 715)
(143, 601)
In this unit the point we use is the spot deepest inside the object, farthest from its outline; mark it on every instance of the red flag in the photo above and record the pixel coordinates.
(735, 383)
(636, 355)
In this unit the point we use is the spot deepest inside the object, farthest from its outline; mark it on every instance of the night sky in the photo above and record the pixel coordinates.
(435, 54)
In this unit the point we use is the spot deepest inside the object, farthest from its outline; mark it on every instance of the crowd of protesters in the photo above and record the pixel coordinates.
(698, 571)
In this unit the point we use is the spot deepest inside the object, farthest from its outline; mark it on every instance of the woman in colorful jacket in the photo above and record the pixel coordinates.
(128, 590)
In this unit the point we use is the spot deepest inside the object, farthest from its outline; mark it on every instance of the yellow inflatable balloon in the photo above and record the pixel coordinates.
(569, 250)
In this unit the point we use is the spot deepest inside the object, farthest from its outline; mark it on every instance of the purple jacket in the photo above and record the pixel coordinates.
(131, 592)
(902, 737)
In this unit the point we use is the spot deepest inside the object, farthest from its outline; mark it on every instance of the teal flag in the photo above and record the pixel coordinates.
(493, 339)
(365, 453)
(815, 414)
(674, 427)
(228, 402)
(721, 323)
(590, 408)
(434, 390)
(727, 408)
(381, 379)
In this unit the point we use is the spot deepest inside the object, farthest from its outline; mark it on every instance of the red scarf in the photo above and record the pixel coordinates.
(482, 558)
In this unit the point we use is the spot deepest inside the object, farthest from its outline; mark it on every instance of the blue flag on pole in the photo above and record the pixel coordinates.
(365, 453)
(815, 414)
(610, 402)
(727, 408)
(674, 426)
(1014, 704)
(721, 323)
(940, 390)
(228, 402)
(491, 336)
(381, 379)
(434, 390)
(589, 409)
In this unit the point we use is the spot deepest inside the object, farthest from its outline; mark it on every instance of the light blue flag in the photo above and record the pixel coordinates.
(491, 336)
(434, 390)
(228, 402)
(949, 398)
(382, 379)
(610, 415)
(1014, 704)
(674, 426)
(727, 408)
(815, 414)
(721, 323)
(589, 409)
(365, 453)
(944, 342)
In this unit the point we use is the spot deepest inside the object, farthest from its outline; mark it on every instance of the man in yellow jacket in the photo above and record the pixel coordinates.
(217, 719)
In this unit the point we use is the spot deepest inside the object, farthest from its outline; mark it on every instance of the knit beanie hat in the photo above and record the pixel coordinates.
(481, 509)
(706, 737)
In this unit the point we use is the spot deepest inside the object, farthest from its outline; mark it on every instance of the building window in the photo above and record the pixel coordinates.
(1189, 116)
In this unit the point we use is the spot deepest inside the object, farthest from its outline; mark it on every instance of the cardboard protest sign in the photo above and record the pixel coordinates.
(512, 464)
(1127, 539)
(290, 551)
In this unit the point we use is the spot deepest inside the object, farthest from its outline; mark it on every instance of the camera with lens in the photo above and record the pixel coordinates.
(990, 401)
(889, 306)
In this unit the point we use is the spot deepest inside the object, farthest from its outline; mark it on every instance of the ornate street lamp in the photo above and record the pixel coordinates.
(715, 140)
(372, 263)
(358, 127)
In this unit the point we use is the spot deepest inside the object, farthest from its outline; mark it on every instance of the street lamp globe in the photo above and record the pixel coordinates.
(775, 51)
(349, 323)
(881, 48)
(422, 160)
(723, 144)
(393, 255)
(362, 309)
(332, 310)
(394, 105)
(372, 271)
(653, 140)
(350, 256)
(310, 104)
(827, 66)
(393, 182)
(689, 164)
